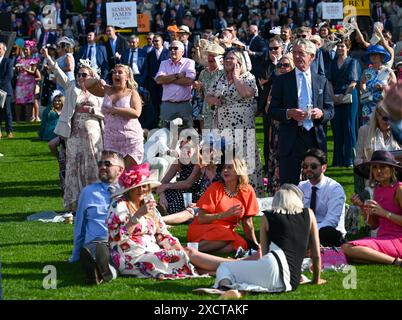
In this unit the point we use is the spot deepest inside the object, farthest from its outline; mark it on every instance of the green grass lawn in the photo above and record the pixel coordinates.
(29, 184)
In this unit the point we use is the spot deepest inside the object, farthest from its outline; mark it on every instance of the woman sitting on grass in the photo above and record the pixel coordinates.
(384, 213)
(140, 243)
(286, 233)
(223, 206)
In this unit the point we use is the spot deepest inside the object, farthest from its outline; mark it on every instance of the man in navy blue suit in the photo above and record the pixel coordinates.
(154, 58)
(115, 46)
(6, 75)
(136, 59)
(302, 102)
(95, 53)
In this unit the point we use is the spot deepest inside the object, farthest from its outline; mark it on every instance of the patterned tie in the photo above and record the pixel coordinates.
(305, 99)
(132, 57)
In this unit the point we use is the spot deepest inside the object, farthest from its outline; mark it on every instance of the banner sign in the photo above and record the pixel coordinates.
(121, 14)
(362, 6)
(332, 10)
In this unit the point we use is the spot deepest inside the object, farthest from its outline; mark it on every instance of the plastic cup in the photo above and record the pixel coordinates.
(187, 198)
(193, 245)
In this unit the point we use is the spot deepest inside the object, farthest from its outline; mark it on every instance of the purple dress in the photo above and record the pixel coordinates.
(121, 134)
(389, 236)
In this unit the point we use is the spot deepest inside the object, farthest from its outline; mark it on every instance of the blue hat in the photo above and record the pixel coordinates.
(376, 49)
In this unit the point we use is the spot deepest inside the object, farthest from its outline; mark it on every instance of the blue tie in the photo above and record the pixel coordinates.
(305, 99)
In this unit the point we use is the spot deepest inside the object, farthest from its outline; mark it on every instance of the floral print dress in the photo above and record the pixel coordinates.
(374, 78)
(150, 251)
(25, 86)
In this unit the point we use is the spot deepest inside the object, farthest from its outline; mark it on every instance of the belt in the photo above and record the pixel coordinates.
(184, 101)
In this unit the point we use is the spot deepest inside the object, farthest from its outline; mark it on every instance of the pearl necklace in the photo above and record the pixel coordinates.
(229, 193)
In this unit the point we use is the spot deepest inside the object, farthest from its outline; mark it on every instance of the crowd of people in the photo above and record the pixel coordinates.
(177, 117)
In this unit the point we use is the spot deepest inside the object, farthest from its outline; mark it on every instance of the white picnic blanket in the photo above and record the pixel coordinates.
(50, 216)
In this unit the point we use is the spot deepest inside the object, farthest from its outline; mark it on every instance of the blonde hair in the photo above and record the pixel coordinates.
(240, 58)
(240, 167)
(290, 58)
(131, 84)
(370, 141)
(288, 199)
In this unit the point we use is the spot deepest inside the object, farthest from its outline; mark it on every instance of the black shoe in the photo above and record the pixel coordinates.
(93, 276)
(102, 261)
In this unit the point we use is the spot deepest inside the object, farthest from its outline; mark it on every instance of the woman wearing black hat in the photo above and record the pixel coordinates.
(384, 213)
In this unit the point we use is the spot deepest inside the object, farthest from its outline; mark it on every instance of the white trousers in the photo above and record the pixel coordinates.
(252, 275)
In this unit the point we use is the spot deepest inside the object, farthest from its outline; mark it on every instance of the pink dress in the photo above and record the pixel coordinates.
(25, 85)
(121, 134)
(389, 236)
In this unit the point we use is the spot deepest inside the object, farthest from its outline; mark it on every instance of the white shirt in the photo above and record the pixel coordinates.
(158, 52)
(299, 76)
(330, 203)
(1, 59)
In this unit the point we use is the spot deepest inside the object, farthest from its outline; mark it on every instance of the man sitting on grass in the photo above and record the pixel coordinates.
(325, 197)
(90, 231)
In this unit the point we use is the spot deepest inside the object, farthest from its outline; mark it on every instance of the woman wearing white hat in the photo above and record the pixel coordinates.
(207, 77)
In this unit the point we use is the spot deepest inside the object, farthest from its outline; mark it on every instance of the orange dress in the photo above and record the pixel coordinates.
(214, 201)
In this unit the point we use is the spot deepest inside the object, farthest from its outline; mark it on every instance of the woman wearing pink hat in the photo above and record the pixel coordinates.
(140, 243)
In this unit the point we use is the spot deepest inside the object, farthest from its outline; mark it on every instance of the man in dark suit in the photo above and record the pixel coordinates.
(136, 59)
(47, 37)
(184, 34)
(115, 46)
(149, 119)
(257, 52)
(82, 27)
(6, 75)
(302, 102)
(95, 53)
(99, 12)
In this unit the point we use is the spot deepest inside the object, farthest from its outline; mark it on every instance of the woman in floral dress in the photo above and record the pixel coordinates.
(80, 124)
(232, 95)
(375, 77)
(139, 241)
(27, 73)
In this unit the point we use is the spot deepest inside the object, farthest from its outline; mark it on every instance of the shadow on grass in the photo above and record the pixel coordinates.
(38, 243)
(22, 192)
(28, 183)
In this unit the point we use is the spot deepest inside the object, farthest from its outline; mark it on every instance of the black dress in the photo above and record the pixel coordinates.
(288, 238)
(174, 197)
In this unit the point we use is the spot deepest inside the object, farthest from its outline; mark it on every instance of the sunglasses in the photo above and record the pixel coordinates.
(155, 40)
(173, 48)
(386, 119)
(82, 75)
(302, 35)
(273, 48)
(283, 65)
(313, 166)
(105, 163)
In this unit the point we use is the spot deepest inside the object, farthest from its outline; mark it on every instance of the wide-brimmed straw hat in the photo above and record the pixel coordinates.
(378, 157)
(376, 49)
(184, 29)
(136, 176)
(214, 49)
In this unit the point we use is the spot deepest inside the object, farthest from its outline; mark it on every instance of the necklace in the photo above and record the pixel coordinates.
(229, 193)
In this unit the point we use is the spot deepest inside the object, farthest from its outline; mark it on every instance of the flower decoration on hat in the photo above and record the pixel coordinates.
(135, 175)
(30, 43)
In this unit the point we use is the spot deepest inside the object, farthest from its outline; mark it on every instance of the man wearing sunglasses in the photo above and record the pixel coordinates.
(325, 197)
(177, 76)
(302, 102)
(90, 231)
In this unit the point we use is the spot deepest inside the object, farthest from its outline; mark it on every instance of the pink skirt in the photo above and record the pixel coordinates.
(390, 245)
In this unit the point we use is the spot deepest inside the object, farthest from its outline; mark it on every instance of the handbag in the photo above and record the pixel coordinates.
(347, 98)
(3, 97)
(332, 258)
(366, 97)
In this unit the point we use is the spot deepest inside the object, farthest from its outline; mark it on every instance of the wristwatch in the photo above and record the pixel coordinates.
(92, 110)
(389, 214)
(177, 76)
